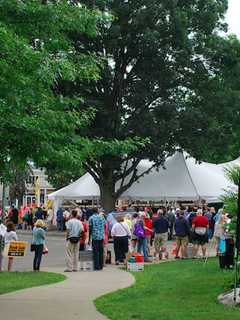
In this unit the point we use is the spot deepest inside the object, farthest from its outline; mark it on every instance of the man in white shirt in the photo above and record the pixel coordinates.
(121, 234)
(74, 229)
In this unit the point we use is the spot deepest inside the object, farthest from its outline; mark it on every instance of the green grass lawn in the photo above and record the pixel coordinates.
(12, 281)
(181, 290)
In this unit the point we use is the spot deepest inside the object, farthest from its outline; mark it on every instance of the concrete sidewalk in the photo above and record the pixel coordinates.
(68, 300)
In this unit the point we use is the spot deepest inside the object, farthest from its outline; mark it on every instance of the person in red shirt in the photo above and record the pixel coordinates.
(148, 230)
(83, 236)
(200, 227)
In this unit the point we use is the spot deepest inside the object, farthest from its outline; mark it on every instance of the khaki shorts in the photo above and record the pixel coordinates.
(159, 240)
(182, 241)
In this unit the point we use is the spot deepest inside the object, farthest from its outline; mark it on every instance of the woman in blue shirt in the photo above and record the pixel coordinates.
(38, 242)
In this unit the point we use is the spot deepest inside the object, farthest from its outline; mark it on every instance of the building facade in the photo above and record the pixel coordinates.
(37, 188)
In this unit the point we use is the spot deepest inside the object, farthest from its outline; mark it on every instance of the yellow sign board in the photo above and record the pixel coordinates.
(16, 249)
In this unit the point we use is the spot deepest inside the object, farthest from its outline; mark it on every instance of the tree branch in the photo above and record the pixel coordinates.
(133, 179)
(126, 171)
(125, 168)
(92, 172)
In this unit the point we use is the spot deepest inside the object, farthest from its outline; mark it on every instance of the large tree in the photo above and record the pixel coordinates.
(169, 76)
(167, 82)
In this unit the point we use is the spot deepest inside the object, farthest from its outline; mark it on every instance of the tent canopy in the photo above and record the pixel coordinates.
(182, 178)
(83, 188)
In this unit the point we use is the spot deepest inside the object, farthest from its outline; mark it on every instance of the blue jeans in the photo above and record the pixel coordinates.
(97, 246)
(142, 246)
(37, 257)
(60, 225)
(210, 233)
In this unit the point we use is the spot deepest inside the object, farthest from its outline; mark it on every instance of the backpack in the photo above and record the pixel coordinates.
(139, 231)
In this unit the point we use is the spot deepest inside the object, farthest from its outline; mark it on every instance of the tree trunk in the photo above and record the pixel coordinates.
(107, 199)
(20, 200)
(107, 190)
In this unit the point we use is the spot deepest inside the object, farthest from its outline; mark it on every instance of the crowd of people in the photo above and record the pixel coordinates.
(147, 231)
(25, 217)
(143, 230)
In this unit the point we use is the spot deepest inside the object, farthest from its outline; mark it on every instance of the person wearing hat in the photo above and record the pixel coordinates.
(38, 242)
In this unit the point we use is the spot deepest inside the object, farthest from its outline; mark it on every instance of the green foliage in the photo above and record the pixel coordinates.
(230, 202)
(183, 290)
(230, 198)
(36, 121)
(233, 174)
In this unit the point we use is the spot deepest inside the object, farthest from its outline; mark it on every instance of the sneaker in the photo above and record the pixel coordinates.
(66, 270)
(177, 257)
(75, 270)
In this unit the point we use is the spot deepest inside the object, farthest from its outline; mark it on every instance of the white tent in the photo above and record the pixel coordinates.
(83, 188)
(181, 179)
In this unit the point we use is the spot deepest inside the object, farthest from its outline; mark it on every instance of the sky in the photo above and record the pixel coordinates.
(233, 17)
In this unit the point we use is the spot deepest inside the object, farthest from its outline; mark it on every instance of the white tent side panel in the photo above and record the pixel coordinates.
(171, 183)
(183, 179)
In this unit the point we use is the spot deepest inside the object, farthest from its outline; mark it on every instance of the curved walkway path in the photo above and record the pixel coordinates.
(68, 300)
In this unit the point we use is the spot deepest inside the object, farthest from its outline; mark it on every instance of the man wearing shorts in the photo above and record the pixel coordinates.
(160, 228)
(182, 230)
(200, 226)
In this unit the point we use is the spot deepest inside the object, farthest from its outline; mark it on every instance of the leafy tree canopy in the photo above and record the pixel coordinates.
(36, 53)
(168, 80)
(169, 76)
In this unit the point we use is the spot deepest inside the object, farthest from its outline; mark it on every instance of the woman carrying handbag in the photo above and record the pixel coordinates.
(121, 235)
(38, 244)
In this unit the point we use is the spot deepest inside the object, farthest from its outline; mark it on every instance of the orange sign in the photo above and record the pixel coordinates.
(17, 249)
